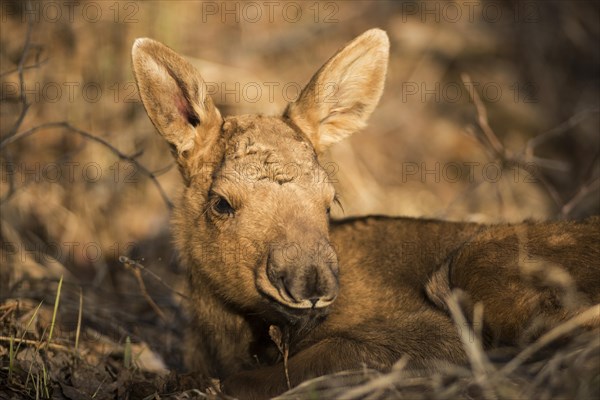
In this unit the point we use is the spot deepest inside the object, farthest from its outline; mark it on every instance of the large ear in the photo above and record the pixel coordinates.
(341, 96)
(176, 100)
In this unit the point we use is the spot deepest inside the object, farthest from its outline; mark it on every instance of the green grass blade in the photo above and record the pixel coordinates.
(28, 325)
(56, 302)
(79, 316)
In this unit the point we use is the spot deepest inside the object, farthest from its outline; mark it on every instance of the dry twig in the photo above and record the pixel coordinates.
(561, 330)
(132, 263)
(138, 276)
(37, 344)
(526, 159)
(282, 341)
(70, 128)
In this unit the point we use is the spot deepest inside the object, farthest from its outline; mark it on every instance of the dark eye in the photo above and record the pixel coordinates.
(223, 207)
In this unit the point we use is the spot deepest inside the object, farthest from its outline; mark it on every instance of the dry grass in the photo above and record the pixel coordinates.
(566, 371)
(112, 329)
(564, 363)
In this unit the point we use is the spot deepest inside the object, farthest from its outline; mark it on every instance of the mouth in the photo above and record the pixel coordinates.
(290, 311)
(294, 311)
(281, 295)
(296, 315)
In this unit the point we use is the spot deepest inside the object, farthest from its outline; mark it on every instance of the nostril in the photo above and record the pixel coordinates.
(284, 291)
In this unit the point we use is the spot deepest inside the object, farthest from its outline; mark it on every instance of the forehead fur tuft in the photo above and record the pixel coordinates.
(268, 149)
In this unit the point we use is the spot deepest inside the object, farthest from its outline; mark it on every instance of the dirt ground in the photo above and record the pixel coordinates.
(92, 298)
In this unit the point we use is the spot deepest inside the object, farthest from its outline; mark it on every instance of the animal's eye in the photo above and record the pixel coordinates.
(223, 207)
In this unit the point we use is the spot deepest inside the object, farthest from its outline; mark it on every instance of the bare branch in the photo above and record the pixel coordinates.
(37, 344)
(70, 128)
(138, 276)
(37, 64)
(20, 69)
(521, 161)
(132, 263)
(163, 170)
(24, 105)
(581, 193)
(558, 130)
(482, 119)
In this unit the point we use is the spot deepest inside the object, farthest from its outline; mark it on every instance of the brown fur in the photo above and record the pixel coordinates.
(252, 226)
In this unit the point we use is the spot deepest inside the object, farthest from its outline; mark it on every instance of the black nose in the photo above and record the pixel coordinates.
(299, 286)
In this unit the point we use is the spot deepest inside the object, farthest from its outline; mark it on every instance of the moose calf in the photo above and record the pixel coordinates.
(262, 251)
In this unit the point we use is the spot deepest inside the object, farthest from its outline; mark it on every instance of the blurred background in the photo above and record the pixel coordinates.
(82, 168)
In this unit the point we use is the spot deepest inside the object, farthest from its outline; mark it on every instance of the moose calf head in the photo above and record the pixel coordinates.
(252, 224)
